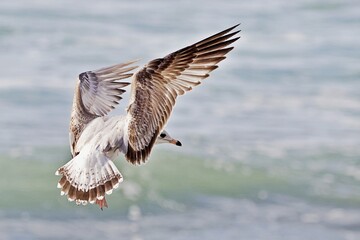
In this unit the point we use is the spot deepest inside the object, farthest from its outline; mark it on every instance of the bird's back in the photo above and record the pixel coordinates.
(105, 134)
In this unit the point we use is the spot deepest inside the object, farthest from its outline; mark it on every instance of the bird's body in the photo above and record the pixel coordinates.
(97, 139)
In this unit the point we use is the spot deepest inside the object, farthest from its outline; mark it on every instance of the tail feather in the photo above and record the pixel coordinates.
(88, 177)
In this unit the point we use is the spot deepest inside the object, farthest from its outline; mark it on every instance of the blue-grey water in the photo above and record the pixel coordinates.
(270, 141)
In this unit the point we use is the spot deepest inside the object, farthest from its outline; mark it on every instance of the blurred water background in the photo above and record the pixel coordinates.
(270, 141)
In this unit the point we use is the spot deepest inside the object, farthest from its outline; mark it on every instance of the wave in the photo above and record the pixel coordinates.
(168, 181)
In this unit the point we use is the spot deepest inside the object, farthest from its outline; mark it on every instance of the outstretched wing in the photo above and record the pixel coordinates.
(156, 87)
(100, 90)
(96, 94)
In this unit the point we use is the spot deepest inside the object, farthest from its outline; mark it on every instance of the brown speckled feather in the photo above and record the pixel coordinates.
(156, 87)
(96, 140)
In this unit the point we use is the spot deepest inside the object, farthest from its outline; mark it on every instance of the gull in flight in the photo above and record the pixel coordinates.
(97, 139)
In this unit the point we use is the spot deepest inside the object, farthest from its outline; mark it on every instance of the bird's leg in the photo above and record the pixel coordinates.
(102, 203)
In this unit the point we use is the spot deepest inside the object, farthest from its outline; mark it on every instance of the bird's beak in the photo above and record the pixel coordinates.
(176, 142)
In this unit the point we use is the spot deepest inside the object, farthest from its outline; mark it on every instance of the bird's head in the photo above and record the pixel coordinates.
(164, 137)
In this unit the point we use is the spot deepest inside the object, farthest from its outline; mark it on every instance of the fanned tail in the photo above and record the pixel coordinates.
(88, 177)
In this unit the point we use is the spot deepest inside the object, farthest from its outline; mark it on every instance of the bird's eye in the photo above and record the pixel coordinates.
(162, 135)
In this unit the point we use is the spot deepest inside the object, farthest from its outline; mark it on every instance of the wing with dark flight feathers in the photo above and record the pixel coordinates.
(156, 87)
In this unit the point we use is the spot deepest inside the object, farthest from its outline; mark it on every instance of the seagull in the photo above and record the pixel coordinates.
(97, 139)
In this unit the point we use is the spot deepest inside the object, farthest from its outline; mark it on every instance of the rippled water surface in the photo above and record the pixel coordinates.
(270, 141)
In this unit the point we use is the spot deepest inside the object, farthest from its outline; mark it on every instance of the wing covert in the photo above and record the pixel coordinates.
(156, 87)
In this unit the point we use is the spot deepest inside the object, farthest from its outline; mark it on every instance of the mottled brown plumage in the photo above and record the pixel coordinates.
(156, 87)
(96, 139)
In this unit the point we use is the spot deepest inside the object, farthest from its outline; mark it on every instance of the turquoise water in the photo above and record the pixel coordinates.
(270, 150)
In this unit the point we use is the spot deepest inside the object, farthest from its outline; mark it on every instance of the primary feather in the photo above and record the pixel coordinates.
(156, 87)
(96, 139)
